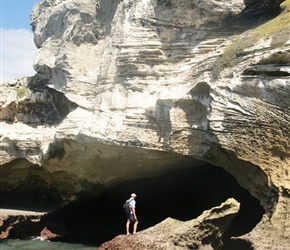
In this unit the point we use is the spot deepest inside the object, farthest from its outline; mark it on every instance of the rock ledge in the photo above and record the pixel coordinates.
(207, 229)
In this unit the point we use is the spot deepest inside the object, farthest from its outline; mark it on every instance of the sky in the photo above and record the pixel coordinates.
(16, 39)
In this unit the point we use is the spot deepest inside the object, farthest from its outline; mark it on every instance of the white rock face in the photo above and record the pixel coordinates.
(142, 74)
(117, 59)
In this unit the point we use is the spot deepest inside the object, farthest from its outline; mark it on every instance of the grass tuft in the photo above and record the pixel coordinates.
(279, 58)
(21, 92)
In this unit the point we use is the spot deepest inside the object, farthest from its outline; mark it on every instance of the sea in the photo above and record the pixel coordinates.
(35, 244)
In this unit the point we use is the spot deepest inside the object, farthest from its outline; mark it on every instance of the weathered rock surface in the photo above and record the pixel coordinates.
(9, 218)
(130, 89)
(46, 234)
(207, 229)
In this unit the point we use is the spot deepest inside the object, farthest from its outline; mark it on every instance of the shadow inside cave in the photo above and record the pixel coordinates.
(182, 194)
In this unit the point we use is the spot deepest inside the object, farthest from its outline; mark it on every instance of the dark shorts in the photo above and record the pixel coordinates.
(130, 217)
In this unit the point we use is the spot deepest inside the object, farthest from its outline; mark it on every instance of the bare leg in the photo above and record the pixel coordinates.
(135, 227)
(127, 227)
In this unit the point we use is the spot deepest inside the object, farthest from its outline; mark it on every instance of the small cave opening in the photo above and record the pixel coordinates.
(181, 194)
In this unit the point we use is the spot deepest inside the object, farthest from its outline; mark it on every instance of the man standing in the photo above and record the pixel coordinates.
(131, 216)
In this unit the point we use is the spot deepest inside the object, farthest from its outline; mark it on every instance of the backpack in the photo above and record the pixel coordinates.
(126, 207)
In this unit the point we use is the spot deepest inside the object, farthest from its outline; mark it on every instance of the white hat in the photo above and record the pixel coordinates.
(133, 195)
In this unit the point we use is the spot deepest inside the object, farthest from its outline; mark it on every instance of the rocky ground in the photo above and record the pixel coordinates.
(204, 232)
(11, 217)
(130, 89)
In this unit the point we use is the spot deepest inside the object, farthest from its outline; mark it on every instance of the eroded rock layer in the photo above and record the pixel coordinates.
(130, 89)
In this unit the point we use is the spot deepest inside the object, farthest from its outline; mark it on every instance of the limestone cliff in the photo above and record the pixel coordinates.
(128, 89)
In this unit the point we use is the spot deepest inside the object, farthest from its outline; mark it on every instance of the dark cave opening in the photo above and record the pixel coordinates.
(182, 194)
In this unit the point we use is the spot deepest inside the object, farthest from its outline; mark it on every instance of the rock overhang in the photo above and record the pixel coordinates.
(115, 107)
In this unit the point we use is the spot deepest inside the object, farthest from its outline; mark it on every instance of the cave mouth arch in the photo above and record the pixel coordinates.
(182, 194)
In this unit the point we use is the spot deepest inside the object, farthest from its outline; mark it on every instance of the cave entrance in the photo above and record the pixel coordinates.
(181, 194)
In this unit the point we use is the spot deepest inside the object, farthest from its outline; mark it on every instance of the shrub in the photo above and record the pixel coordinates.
(34, 82)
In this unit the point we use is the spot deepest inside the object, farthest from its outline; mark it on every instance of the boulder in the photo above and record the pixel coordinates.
(206, 229)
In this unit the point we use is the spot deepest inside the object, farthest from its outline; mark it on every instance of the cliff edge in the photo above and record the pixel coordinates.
(131, 89)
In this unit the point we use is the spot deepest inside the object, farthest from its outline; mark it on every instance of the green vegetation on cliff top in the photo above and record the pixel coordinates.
(278, 29)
